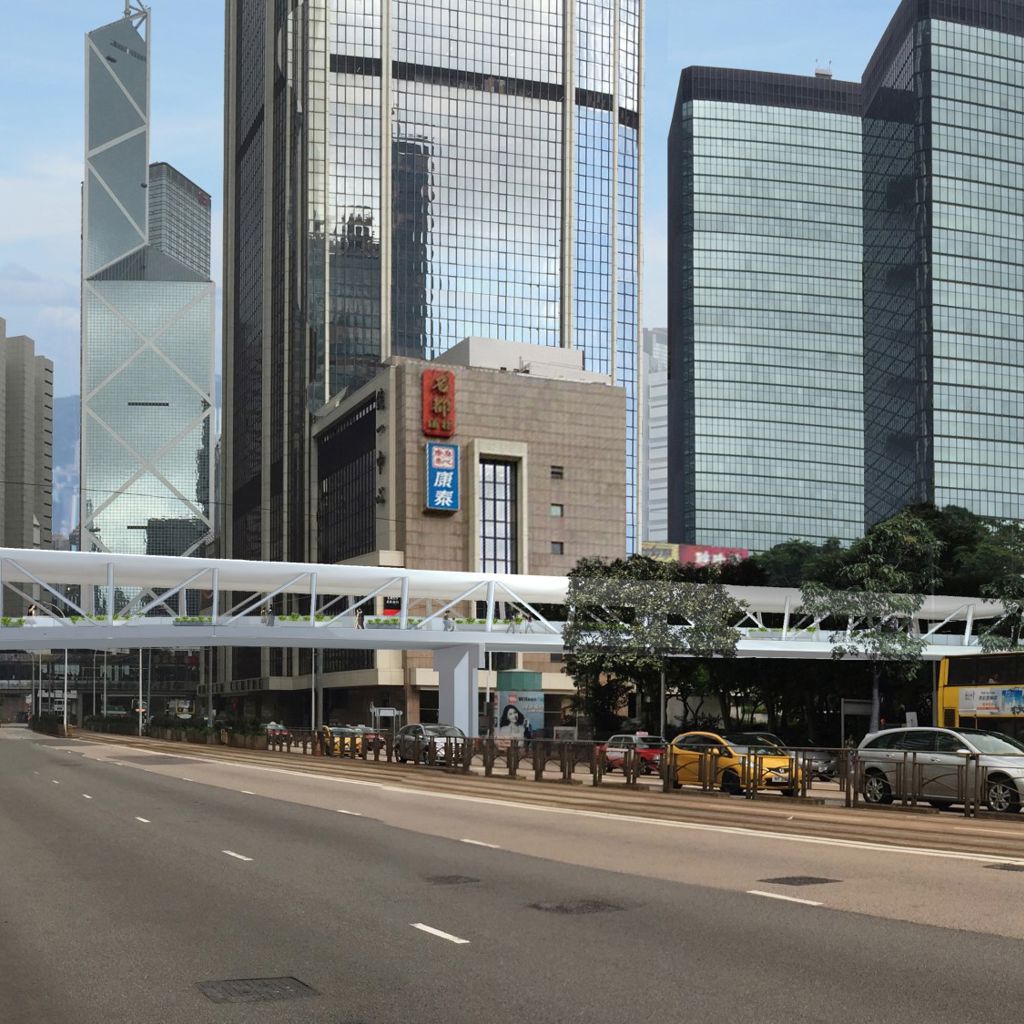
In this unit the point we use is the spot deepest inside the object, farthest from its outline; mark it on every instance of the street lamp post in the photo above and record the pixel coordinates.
(65, 691)
(661, 733)
(140, 691)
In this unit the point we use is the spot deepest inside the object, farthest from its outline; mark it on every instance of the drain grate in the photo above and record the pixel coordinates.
(1005, 867)
(451, 879)
(577, 907)
(799, 880)
(255, 990)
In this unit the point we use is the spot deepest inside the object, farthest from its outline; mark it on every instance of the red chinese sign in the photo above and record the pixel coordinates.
(705, 554)
(438, 403)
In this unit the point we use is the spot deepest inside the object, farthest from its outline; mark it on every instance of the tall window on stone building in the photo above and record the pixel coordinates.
(499, 542)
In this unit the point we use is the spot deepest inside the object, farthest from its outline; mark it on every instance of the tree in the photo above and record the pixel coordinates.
(877, 612)
(1006, 585)
(626, 617)
(880, 598)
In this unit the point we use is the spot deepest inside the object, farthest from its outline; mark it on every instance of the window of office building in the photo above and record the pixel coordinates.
(499, 542)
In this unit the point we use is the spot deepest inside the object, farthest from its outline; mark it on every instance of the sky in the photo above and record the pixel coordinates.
(41, 107)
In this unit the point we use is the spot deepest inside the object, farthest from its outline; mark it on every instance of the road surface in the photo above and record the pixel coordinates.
(133, 878)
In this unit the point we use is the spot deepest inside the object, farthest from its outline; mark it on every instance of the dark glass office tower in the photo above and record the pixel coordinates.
(764, 262)
(944, 259)
(403, 174)
(147, 318)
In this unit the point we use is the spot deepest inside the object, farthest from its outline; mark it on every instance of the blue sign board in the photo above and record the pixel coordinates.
(442, 477)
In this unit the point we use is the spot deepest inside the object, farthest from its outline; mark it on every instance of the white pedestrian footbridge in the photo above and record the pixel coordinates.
(102, 601)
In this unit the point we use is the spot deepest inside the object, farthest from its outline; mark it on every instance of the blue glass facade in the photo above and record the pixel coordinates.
(460, 168)
(944, 250)
(765, 406)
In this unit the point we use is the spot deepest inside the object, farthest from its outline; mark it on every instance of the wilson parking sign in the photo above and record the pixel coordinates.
(442, 478)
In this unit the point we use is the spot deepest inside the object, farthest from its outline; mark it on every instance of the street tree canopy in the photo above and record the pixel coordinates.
(874, 612)
(626, 617)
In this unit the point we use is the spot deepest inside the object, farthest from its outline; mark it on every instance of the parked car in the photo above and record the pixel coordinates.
(371, 738)
(945, 769)
(736, 755)
(649, 749)
(413, 741)
(821, 764)
(277, 731)
(337, 735)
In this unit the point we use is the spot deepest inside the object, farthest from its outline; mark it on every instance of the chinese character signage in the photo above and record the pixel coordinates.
(438, 403)
(993, 701)
(442, 477)
(704, 554)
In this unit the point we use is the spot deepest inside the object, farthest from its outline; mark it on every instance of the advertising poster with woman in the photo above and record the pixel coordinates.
(519, 716)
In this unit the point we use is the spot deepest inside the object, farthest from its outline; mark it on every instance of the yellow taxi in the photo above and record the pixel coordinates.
(733, 758)
(339, 739)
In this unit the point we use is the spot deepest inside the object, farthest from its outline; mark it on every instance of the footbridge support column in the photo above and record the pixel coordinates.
(458, 689)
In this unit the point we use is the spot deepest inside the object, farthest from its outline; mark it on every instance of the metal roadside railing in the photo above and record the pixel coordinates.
(905, 779)
(912, 778)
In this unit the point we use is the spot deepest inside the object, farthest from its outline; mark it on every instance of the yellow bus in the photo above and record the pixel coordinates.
(983, 691)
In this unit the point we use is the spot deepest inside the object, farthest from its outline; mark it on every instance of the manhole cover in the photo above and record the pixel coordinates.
(157, 761)
(577, 907)
(451, 879)
(1006, 867)
(255, 990)
(799, 880)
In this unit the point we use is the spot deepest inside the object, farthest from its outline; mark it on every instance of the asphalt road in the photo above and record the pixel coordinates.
(130, 879)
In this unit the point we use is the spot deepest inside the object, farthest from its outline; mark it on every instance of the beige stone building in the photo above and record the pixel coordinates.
(541, 484)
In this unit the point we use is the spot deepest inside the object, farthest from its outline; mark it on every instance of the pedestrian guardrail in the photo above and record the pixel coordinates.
(902, 779)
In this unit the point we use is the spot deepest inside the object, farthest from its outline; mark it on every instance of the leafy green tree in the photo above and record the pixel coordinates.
(880, 596)
(876, 612)
(625, 618)
(1006, 585)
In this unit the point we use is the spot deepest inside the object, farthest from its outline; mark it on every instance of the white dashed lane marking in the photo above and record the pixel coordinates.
(145, 821)
(779, 896)
(476, 842)
(442, 935)
(87, 797)
(237, 856)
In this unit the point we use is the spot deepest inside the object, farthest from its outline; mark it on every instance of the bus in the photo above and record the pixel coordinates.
(983, 691)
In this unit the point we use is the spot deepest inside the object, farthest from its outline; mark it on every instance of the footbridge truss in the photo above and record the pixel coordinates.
(100, 601)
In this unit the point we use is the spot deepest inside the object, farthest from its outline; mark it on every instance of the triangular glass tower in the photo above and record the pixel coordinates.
(147, 318)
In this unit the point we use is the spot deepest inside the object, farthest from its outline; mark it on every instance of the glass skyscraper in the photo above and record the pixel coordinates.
(765, 343)
(147, 319)
(654, 433)
(944, 259)
(403, 174)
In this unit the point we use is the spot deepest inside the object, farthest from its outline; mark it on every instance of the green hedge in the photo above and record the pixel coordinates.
(48, 723)
(122, 726)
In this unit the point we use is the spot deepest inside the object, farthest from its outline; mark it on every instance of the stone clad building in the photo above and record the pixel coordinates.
(540, 484)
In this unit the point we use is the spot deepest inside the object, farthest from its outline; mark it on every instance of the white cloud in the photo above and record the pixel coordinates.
(20, 286)
(62, 318)
(42, 202)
